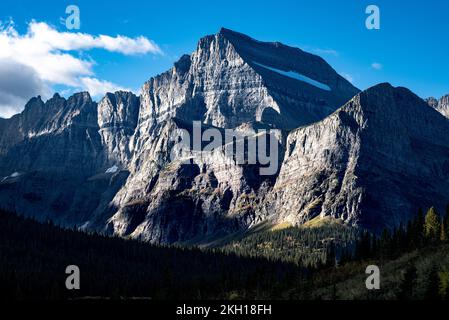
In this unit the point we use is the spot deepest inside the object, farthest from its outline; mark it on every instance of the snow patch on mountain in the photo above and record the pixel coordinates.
(13, 175)
(112, 169)
(297, 76)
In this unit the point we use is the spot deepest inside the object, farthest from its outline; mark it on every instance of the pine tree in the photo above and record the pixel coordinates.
(417, 232)
(446, 219)
(385, 244)
(443, 232)
(408, 283)
(432, 285)
(432, 226)
(444, 284)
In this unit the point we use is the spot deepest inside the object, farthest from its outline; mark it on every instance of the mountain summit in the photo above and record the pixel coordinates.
(231, 79)
(373, 162)
(441, 105)
(366, 158)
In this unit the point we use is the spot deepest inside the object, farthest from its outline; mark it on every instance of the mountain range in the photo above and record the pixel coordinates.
(368, 158)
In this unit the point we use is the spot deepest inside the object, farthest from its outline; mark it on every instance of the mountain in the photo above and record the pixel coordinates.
(232, 79)
(55, 155)
(441, 105)
(108, 167)
(373, 162)
(229, 81)
(58, 135)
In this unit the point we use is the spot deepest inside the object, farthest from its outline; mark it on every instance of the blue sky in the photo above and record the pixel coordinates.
(410, 49)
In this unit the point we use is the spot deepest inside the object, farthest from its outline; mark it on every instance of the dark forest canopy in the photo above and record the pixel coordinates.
(33, 258)
(293, 263)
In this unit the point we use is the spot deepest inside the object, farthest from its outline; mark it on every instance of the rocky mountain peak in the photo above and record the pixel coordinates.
(442, 105)
(183, 64)
(285, 58)
(431, 101)
(35, 102)
(388, 101)
(231, 79)
(231, 34)
(444, 100)
(80, 99)
(368, 160)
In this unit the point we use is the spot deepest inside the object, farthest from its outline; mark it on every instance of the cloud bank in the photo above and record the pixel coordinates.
(31, 63)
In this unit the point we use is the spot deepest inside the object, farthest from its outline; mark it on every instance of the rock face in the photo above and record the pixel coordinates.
(117, 118)
(224, 83)
(59, 135)
(373, 162)
(441, 105)
(54, 156)
(117, 166)
(230, 81)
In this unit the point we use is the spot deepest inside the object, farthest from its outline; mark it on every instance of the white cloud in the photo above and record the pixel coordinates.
(18, 83)
(98, 87)
(52, 58)
(52, 39)
(377, 66)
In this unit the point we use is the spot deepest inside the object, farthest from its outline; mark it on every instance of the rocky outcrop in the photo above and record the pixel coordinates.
(166, 201)
(373, 162)
(58, 136)
(117, 118)
(442, 105)
(54, 158)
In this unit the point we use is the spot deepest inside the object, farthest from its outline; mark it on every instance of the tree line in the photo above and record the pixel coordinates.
(34, 257)
(263, 265)
(425, 232)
